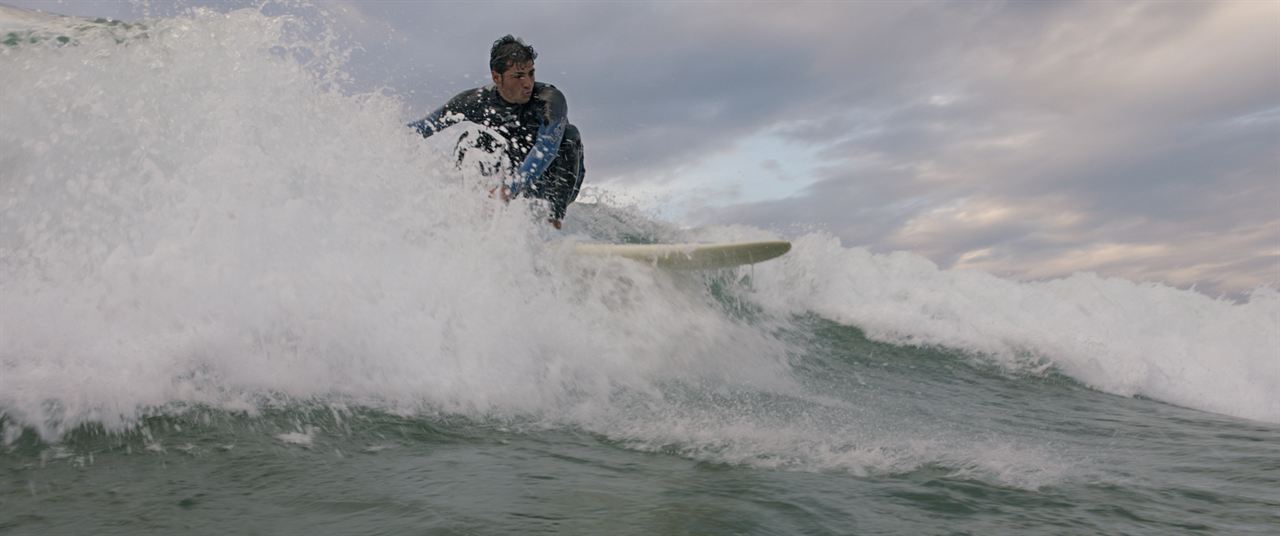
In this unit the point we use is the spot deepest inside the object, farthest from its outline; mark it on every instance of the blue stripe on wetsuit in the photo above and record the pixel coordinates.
(540, 156)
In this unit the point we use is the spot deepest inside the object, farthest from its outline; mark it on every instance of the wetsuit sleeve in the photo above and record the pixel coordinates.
(452, 113)
(432, 123)
(550, 133)
(540, 156)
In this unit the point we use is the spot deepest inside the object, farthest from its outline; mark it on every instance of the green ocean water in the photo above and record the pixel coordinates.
(1064, 460)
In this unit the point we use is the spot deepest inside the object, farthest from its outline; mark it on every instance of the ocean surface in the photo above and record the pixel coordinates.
(237, 297)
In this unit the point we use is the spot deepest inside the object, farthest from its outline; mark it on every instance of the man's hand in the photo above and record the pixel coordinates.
(504, 193)
(501, 192)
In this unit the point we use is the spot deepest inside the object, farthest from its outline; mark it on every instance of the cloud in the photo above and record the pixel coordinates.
(1029, 139)
(1137, 140)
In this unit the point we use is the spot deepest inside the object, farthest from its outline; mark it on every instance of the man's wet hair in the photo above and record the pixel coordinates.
(507, 51)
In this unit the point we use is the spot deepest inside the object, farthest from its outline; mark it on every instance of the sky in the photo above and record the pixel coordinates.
(1030, 140)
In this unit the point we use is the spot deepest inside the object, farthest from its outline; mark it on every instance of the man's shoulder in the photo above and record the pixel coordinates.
(556, 106)
(543, 88)
(549, 94)
(470, 97)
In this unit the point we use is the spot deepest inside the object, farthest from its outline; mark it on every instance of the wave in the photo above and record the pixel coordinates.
(204, 217)
(1117, 336)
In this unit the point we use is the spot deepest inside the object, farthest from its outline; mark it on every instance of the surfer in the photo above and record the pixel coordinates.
(544, 150)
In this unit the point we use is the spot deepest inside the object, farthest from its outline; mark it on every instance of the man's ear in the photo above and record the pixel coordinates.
(496, 76)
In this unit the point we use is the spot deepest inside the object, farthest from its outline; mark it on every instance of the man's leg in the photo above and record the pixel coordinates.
(481, 150)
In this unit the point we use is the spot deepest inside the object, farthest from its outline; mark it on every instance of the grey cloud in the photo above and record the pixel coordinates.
(1152, 125)
(1096, 123)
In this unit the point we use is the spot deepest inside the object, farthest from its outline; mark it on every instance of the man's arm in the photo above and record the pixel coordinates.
(432, 123)
(540, 156)
(452, 113)
(547, 144)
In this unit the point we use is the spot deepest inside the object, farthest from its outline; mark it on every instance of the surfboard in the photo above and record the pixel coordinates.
(13, 19)
(690, 256)
(20, 26)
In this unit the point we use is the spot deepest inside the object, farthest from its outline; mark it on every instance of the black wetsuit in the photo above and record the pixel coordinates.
(543, 148)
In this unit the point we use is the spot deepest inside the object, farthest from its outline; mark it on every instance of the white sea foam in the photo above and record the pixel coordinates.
(849, 442)
(1121, 337)
(301, 439)
(195, 214)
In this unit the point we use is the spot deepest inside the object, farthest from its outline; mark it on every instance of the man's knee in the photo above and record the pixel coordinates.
(570, 152)
(483, 151)
(571, 133)
(573, 162)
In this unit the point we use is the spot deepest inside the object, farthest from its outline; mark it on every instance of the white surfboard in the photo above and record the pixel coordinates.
(19, 26)
(690, 256)
(13, 19)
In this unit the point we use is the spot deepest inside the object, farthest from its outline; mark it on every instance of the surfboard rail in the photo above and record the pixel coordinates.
(690, 256)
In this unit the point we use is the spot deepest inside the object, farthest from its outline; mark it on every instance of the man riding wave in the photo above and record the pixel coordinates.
(544, 150)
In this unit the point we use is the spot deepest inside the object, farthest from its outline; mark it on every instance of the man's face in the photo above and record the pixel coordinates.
(516, 84)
